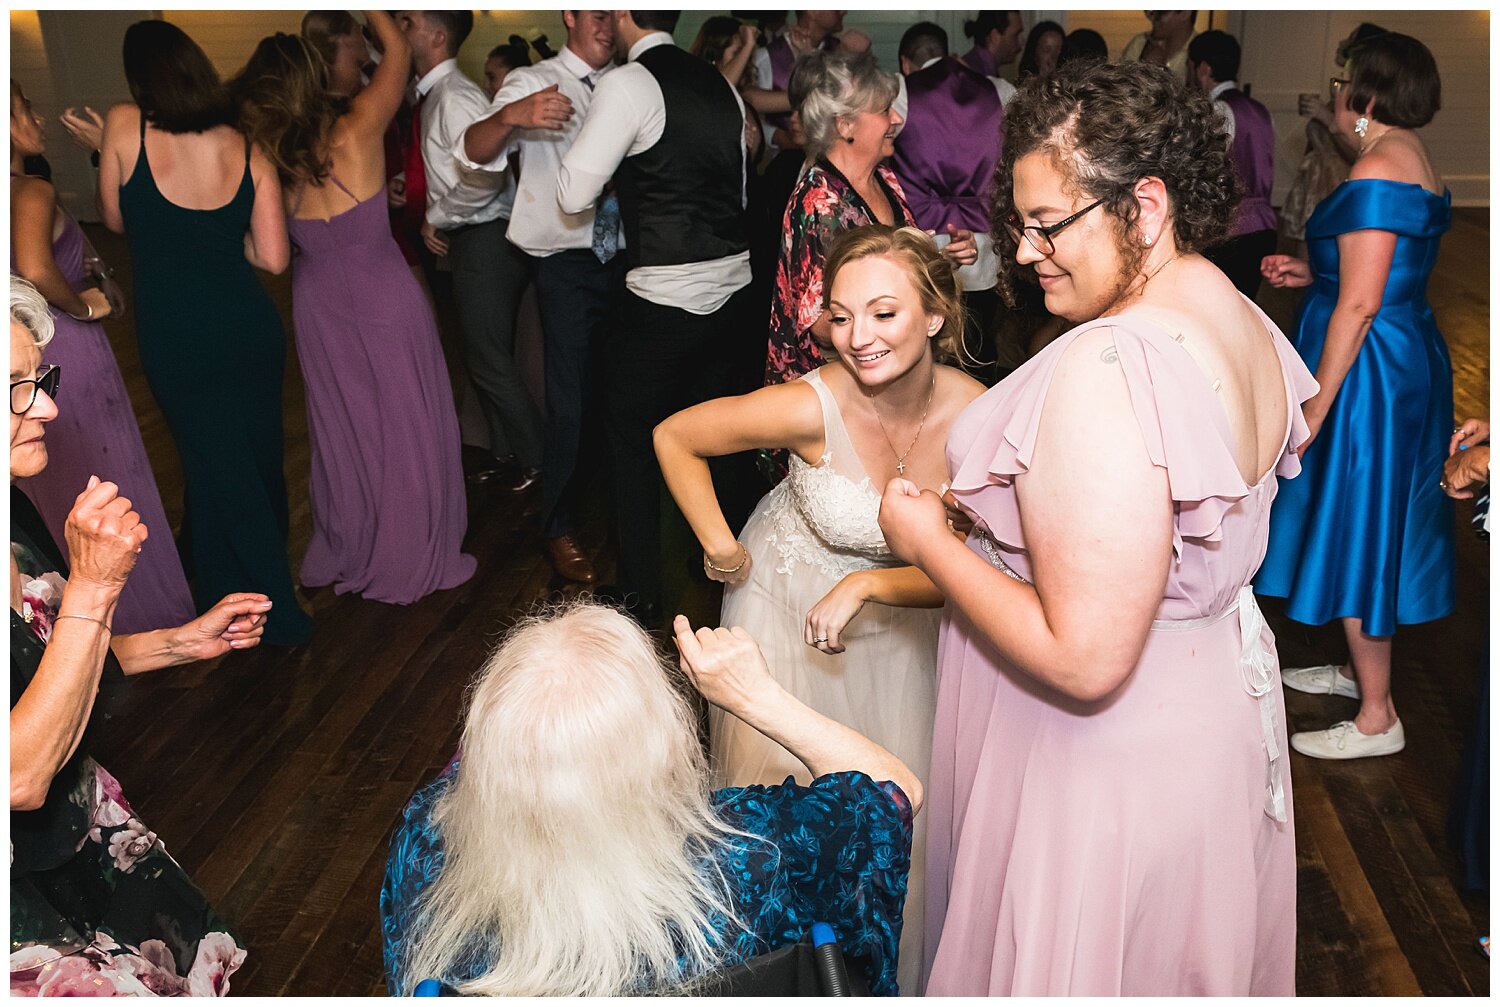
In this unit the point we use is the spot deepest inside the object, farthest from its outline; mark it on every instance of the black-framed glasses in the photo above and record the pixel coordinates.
(23, 392)
(1039, 237)
(1335, 85)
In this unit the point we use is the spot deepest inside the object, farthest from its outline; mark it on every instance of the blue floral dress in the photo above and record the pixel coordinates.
(836, 852)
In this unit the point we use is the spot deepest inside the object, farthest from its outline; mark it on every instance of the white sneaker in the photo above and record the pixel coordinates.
(1344, 741)
(1322, 680)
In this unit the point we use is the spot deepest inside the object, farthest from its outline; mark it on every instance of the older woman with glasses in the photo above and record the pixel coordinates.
(96, 904)
(844, 104)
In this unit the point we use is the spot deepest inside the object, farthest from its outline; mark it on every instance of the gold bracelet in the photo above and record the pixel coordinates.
(89, 618)
(735, 569)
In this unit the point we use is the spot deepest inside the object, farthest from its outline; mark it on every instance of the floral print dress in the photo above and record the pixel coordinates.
(836, 851)
(97, 906)
(823, 205)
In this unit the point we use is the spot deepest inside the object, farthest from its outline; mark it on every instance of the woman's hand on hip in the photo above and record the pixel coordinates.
(104, 536)
(910, 518)
(827, 620)
(732, 567)
(725, 666)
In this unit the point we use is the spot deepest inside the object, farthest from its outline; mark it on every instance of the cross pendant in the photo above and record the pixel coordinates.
(901, 468)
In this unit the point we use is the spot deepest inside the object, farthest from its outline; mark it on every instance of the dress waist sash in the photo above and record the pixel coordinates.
(1257, 665)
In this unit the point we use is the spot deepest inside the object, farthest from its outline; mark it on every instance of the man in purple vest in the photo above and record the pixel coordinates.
(813, 30)
(945, 158)
(1213, 63)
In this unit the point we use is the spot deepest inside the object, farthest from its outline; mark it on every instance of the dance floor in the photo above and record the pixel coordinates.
(276, 776)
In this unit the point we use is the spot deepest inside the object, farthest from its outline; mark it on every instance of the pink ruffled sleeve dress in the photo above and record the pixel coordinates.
(1141, 844)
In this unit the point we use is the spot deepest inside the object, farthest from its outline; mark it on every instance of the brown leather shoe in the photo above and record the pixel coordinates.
(569, 560)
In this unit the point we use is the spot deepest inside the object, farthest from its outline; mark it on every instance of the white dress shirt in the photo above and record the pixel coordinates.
(627, 117)
(456, 195)
(1223, 106)
(538, 225)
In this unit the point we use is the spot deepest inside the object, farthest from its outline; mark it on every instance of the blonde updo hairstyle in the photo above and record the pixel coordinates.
(929, 271)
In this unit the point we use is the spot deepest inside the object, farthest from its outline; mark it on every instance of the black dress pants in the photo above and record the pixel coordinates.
(577, 297)
(661, 360)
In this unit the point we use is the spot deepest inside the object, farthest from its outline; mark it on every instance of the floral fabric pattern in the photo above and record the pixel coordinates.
(836, 852)
(823, 205)
(97, 906)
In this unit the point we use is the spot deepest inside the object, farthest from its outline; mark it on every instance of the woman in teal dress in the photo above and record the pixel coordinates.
(211, 342)
(1365, 533)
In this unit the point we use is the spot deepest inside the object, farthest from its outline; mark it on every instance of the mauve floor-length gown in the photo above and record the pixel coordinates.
(1143, 844)
(387, 482)
(96, 433)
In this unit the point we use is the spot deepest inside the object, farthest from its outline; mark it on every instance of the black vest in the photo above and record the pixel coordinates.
(680, 200)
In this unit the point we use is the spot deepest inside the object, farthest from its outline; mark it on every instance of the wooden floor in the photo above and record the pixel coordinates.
(276, 776)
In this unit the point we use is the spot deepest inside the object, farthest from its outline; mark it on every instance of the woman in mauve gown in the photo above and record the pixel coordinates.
(1110, 796)
(98, 434)
(387, 485)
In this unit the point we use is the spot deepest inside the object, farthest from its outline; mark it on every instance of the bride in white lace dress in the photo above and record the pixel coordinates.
(844, 627)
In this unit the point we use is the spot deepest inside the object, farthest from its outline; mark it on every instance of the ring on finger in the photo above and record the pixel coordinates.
(821, 639)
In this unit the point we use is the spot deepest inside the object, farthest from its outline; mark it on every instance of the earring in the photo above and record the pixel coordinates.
(1361, 126)
(850, 139)
(1148, 241)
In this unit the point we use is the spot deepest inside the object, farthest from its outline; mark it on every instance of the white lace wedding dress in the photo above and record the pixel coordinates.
(818, 525)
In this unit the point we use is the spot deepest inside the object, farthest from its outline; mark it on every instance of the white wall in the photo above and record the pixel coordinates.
(73, 57)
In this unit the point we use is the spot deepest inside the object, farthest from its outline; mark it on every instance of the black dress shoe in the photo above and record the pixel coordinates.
(523, 480)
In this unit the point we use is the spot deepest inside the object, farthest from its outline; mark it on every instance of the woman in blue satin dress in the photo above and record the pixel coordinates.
(1365, 533)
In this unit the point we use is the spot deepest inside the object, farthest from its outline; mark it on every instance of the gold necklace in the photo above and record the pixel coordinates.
(901, 458)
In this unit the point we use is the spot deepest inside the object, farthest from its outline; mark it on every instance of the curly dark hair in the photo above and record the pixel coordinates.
(1107, 126)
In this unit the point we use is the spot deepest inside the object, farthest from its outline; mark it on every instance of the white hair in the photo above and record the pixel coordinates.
(838, 86)
(578, 833)
(29, 307)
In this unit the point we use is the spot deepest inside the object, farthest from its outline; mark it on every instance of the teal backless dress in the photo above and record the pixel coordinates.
(213, 351)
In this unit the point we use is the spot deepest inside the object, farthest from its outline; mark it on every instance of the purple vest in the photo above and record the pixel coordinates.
(1254, 156)
(979, 60)
(946, 153)
(782, 62)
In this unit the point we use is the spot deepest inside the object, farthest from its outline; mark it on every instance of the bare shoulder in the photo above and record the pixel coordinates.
(1399, 159)
(32, 191)
(957, 387)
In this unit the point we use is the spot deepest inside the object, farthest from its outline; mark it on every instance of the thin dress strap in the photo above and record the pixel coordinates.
(838, 449)
(342, 187)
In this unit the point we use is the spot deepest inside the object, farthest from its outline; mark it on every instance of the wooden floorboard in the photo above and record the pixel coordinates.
(276, 776)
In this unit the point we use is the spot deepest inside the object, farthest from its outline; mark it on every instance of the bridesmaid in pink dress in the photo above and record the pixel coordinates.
(1110, 801)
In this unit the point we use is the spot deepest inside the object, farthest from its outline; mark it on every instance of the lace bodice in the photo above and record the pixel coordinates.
(827, 515)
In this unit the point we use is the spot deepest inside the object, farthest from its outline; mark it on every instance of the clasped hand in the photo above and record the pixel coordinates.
(1286, 271)
(911, 518)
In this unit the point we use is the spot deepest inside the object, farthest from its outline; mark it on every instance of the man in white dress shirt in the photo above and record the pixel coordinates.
(466, 220)
(534, 118)
(669, 130)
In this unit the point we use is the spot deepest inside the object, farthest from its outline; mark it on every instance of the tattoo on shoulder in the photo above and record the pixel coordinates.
(1109, 355)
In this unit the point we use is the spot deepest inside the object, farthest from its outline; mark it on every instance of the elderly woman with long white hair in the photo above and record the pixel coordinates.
(574, 848)
(97, 907)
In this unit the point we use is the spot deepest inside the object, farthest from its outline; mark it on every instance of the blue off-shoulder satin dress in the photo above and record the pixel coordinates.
(1365, 530)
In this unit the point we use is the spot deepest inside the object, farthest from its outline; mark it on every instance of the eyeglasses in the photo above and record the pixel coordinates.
(1335, 85)
(1039, 237)
(23, 392)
